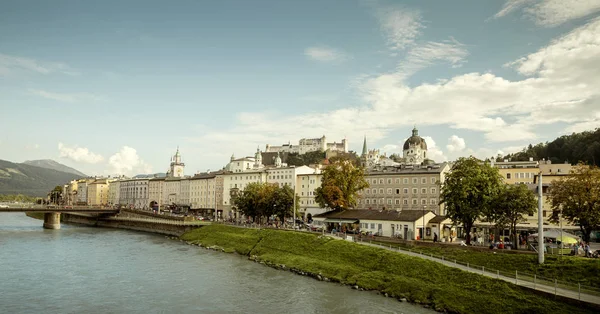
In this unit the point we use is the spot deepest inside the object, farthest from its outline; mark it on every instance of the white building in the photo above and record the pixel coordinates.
(172, 191)
(156, 190)
(306, 184)
(134, 193)
(203, 191)
(407, 224)
(184, 192)
(306, 145)
(82, 186)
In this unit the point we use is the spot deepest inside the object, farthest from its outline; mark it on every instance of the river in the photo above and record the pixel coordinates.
(93, 270)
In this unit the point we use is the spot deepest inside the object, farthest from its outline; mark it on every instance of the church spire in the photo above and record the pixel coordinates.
(364, 150)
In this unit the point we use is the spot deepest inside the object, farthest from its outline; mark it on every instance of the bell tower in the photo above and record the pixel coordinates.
(177, 167)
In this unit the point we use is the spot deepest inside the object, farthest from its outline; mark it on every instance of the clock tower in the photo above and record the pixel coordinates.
(176, 169)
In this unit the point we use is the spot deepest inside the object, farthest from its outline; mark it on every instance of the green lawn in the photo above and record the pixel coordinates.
(566, 268)
(443, 288)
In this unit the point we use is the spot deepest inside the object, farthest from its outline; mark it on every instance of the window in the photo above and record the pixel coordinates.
(415, 180)
(415, 201)
(405, 190)
(433, 180)
(389, 201)
(405, 180)
(397, 201)
(397, 191)
(508, 175)
(380, 181)
(405, 201)
(381, 201)
(415, 190)
(397, 181)
(374, 191)
(381, 191)
(432, 201)
(367, 202)
(423, 191)
(368, 191)
(423, 180)
(433, 190)
(372, 226)
(389, 181)
(389, 191)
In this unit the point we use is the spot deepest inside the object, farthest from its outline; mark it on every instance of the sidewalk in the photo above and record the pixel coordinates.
(536, 286)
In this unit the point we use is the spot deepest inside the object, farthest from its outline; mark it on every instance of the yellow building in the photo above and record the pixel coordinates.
(517, 171)
(97, 193)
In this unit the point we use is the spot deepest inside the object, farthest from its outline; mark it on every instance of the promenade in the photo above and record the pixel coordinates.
(524, 282)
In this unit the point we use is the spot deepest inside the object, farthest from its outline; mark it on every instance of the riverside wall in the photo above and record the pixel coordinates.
(145, 226)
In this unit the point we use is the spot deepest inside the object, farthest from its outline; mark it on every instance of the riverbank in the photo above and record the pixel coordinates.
(394, 275)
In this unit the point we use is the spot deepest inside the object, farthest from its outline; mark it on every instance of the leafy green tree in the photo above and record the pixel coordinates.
(259, 200)
(512, 203)
(342, 180)
(577, 199)
(469, 191)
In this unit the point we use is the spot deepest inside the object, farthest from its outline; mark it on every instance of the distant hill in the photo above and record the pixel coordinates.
(51, 164)
(30, 180)
(574, 148)
(152, 175)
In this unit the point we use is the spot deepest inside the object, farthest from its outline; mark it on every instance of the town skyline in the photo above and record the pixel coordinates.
(119, 90)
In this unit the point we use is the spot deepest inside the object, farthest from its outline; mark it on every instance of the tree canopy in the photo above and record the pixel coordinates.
(512, 203)
(469, 191)
(342, 180)
(577, 147)
(259, 200)
(577, 199)
(295, 159)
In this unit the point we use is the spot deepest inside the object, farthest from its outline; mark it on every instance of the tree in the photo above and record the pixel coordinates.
(260, 200)
(512, 203)
(577, 199)
(342, 180)
(469, 191)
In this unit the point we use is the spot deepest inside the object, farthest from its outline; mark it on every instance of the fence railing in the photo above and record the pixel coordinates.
(520, 278)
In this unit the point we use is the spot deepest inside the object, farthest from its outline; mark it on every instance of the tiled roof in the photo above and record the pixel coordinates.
(365, 214)
(404, 169)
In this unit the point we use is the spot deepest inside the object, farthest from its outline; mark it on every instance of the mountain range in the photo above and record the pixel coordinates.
(51, 164)
(34, 177)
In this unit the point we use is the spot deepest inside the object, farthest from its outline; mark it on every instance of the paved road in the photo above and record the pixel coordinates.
(537, 286)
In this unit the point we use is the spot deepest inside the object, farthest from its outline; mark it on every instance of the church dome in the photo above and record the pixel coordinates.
(415, 140)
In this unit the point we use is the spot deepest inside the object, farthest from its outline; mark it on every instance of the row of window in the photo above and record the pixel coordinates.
(415, 180)
(396, 201)
(520, 175)
(405, 191)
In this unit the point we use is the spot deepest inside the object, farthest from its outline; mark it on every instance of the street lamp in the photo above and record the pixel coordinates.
(423, 235)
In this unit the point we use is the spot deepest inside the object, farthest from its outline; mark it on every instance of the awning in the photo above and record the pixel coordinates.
(344, 221)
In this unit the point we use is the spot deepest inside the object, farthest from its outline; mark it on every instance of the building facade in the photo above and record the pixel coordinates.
(306, 184)
(134, 193)
(407, 187)
(97, 192)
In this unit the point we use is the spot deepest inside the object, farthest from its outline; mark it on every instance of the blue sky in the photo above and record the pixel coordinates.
(115, 86)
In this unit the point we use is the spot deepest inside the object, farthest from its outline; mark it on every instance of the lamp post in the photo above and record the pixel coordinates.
(423, 235)
(540, 222)
(294, 218)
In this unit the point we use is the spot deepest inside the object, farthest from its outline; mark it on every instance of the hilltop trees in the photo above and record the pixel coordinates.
(260, 200)
(342, 180)
(577, 199)
(470, 191)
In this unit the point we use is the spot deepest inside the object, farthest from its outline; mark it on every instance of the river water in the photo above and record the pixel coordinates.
(93, 270)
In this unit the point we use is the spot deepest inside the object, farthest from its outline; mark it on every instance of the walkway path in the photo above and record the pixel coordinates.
(528, 284)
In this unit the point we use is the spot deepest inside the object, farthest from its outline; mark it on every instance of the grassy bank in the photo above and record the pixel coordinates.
(442, 288)
(567, 268)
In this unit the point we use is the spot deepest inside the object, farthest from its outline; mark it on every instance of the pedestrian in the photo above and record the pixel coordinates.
(435, 238)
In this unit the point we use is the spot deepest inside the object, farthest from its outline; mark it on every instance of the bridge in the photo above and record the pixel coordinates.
(52, 213)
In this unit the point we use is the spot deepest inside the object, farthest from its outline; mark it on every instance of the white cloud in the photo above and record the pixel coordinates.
(10, 64)
(32, 146)
(127, 162)
(65, 97)
(456, 144)
(550, 13)
(400, 26)
(427, 54)
(324, 54)
(433, 151)
(79, 154)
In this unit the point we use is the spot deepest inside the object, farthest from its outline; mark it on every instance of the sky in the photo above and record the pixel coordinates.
(114, 87)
